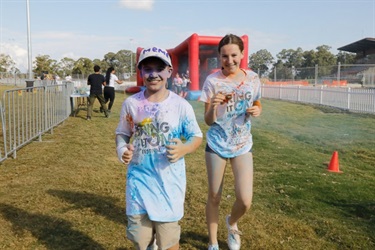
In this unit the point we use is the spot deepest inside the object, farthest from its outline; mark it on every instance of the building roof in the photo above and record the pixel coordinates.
(359, 46)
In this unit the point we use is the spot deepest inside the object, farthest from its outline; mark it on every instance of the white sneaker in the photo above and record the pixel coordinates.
(153, 246)
(213, 247)
(234, 240)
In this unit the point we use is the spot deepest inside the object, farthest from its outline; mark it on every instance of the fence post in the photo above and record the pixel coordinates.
(280, 92)
(299, 93)
(348, 94)
(321, 95)
(338, 72)
(274, 75)
(316, 74)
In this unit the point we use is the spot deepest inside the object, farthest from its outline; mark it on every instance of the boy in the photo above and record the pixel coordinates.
(96, 81)
(155, 119)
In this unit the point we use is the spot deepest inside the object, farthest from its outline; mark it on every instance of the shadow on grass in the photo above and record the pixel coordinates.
(199, 241)
(52, 232)
(362, 210)
(102, 205)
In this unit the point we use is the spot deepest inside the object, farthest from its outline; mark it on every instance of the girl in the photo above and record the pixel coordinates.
(109, 89)
(231, 98)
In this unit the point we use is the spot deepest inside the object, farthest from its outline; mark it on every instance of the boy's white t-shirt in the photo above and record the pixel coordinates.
(154, 185)
(230, 135)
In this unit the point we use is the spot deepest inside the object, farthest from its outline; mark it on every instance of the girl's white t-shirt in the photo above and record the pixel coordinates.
(154, 185)
(230, 135)
(112, 80)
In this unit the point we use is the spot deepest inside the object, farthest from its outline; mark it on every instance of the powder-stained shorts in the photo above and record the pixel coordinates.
(141, 231)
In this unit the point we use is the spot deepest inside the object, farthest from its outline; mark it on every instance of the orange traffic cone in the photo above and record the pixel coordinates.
(334, 163)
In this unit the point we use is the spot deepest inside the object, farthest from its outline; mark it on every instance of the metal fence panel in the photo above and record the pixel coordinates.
(28, 113)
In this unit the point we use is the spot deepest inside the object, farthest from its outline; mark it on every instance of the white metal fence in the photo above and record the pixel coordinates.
(28, 113)
(351, 99)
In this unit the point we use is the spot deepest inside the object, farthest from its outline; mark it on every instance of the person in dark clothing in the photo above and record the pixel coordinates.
(96, 81)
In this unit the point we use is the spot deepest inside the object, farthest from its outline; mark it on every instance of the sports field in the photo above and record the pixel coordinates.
(67, 192)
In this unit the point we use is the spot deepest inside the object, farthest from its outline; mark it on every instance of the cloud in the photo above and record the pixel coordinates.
(137, 4)
(19, 55)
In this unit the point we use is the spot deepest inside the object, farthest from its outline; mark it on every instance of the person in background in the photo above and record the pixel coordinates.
(231, 97)
(184, 85)
(155, 119)
(177, 83)
(96, 81)
(109, 89)
(68, 78)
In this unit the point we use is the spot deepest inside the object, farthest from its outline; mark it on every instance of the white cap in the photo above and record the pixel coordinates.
(154, 52)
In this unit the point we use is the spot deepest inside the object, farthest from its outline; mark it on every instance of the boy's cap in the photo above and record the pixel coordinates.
(154, 52)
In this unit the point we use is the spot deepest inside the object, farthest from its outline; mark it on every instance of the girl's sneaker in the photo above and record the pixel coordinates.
(213, 247)
(234, 240)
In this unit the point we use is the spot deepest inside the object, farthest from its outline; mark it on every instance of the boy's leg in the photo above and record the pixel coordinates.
(139, 230)
(90, 105)
(167, 235)
(102, 104)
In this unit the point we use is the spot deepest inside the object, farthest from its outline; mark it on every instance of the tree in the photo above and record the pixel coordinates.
(290, 57)
(322, 57)
(125, 59)
(346, 57)
(66, 66)
(261, 61)
(7, 65)
(83, 66)
(121, 61)
(43, 63)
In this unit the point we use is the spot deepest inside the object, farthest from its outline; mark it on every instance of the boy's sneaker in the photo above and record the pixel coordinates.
(153, 246)
(234, 240)
(88, 118)
(213, 247)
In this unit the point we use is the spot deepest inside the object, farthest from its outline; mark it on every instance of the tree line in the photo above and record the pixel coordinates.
(123, 61)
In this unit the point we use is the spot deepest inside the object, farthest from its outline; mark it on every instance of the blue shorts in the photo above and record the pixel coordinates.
(209, 150)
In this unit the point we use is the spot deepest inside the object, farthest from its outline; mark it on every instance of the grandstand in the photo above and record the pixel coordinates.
(364, 69)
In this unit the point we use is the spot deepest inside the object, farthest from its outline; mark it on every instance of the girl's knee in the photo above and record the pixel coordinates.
(214, 198)
(244, 203)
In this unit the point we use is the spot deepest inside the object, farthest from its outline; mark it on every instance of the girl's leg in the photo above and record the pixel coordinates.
(242, 167)
(111, 98)
(215, 172)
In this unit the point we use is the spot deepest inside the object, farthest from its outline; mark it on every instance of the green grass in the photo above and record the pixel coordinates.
(67, 192)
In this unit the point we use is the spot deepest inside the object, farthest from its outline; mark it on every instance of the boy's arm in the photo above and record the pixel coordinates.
(179, 149)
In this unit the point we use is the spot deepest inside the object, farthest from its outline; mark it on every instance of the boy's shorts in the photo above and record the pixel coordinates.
(141, 231)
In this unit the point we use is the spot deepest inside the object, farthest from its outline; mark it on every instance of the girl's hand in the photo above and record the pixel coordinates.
(253, 111)
(219, 99)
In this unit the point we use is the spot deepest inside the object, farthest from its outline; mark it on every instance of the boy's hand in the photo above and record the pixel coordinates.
(128, 154)
(175, 150)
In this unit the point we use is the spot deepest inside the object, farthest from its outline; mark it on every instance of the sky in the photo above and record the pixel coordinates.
(92, 28)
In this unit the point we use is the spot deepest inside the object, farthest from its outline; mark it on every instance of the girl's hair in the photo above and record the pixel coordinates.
(108, 75)
(231, 39)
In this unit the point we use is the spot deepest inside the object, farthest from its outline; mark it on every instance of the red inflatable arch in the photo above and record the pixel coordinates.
(194, 55)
